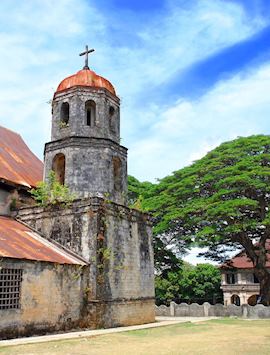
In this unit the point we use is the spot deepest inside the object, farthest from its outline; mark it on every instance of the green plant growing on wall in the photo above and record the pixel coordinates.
(52, 192)
(13, 204)
(77, 273)
(104, 255)
(63, 124)
(137, 205)
(107, 197)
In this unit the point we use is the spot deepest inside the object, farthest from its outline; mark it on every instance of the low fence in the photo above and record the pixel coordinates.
(218, 310)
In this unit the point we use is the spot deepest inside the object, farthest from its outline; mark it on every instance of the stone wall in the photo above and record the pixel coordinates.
(12, 196)
(52, 298)
(95, 162)
(218, 310)
(4, 203)
(117, 242)
(90, 166)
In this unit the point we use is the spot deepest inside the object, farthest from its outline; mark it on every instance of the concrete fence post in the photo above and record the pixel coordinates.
(244, 310)
(206, 307)
(172, 309)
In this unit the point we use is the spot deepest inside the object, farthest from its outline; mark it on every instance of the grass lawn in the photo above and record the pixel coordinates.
(223, 336)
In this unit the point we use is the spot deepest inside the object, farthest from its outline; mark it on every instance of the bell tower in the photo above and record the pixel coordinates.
(85, 151)
(86, 155)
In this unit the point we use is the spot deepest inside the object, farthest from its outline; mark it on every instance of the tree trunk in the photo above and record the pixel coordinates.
(263, 276)
(258, 255)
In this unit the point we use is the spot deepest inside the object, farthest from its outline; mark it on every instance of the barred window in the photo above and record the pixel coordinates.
(10, 288)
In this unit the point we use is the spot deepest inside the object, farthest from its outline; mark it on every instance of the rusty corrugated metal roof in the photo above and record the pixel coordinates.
(17, 163)
(20, 242)
(85, 77)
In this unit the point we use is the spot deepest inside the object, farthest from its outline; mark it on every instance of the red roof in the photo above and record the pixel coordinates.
(242, 261)
(85, 77)
(17, 163)
(20, 242)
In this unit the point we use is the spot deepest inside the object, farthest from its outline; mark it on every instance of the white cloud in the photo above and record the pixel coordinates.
(36, 38)
(193, 258)
(182, 36)
(170, 43)
(40, 42)
(185, 132)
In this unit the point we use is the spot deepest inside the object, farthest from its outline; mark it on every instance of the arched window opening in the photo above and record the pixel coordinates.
(253, 300)
(64, 114)
(90, 112)
(111, 110)
(112, 118)
(58, 166)
(235, 299)
(231, 278)
(117, 173)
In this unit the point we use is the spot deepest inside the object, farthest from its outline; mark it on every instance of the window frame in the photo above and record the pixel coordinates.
(59, 167)
(10, 288)
(65, 113)
(231, 278)
(90, 107)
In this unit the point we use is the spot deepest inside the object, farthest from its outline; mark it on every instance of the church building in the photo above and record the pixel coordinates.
(86, 264)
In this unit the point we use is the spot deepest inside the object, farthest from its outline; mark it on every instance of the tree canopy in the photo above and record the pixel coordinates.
(220, 201)
(190, 284)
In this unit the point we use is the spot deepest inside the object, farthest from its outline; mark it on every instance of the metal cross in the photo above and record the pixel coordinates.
(86, 56)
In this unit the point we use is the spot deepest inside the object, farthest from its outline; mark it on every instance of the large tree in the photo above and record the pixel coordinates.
(220, 201)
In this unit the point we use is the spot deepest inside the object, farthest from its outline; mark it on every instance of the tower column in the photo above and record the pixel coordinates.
(84, 151)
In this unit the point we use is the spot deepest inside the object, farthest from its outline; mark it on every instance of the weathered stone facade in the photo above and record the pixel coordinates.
(118, 245)
(106, 125)
(116, 285)
(95, 162)
(12, 197)
(86, 155)
(89, 164)
(4, 201)
(52, 297)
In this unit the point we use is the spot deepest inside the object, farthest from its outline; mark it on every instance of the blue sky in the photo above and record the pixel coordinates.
(190, 74)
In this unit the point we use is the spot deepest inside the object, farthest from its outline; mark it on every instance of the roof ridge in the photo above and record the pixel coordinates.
(18, 164)
(10, 130)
